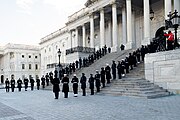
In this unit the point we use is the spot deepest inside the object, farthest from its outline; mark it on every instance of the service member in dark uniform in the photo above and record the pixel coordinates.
(75, 82)
(108, 73)
(43, 82)
(97, 81)
(32, 83)
(26, 83)
(47, 79)
(83, 84)
(91, 84)
(19, 84)
(38, 83)
(65, 88)
(113, 67)
(56, 88)
(119, 69)
(7, 85)
(103, 73)
(12, 84)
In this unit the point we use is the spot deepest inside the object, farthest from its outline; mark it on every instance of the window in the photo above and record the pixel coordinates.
(36, 66)
(29, 56)
(36, 57)
(22, 56)
(29, 66)
(23, 66)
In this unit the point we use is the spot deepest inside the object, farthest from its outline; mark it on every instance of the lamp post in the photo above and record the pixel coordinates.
(175, 19)
(59, 64)
(59, 55)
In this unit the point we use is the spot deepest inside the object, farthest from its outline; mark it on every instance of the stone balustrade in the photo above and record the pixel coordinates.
(80, 49)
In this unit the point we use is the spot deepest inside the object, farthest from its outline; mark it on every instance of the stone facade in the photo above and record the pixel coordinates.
(162, 68)
(106, 22)
(19, 61)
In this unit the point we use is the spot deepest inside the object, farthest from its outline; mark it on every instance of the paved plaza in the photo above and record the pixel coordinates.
(41, 105)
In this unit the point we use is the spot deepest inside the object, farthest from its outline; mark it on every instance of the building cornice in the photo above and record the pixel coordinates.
(53, 35)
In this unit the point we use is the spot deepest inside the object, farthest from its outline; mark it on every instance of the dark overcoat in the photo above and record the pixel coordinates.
(65, 82)
(56, 83)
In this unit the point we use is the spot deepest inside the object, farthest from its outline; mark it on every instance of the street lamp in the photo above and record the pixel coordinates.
(60, 70)
(175, 19)
(59, 55)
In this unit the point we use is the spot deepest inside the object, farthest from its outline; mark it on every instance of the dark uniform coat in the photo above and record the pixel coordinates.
(56, 83)
(75, 81)
(65, 82)
(83, 82)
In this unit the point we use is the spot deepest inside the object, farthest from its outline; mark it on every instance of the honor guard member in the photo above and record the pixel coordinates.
(113, 67)
(12, 84)
(103, 77)
(65, 88)
(32, 83)
(38, 83)
(91, 84)
(43, 82)
(75, 82)
(97, 81)
(47, 79)
(19, 84)
(123, 67)
(83, 84)
(126, 63)
(56, 88)
(26, 83)
(51, 76)
(131, 61)
(108, 73)
(7, 85)
(119, 69)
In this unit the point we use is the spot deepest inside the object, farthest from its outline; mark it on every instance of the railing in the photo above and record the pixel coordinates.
(80, 49)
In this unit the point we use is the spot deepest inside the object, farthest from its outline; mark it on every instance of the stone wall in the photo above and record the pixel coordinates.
(163, 69)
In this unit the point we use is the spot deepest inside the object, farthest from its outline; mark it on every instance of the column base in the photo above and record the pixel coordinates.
(129, 45)
(146, 41)
(115, 49)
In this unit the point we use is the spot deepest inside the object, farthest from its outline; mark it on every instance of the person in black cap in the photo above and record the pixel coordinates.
(12, 84)
(65, 88)
(7, 85)
(91, 84)
(83, 84)
(103, 77)
(37, 82)
(113, 67)
(32, 83)
(75, 82)
(108, 73)
(26, 83)
(56, 88)
(19, 84)
(97, 81)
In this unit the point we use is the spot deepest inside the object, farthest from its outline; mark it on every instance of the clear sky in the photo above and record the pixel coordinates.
(27, 21)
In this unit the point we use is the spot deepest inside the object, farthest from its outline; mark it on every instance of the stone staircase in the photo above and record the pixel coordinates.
(134, 84)
(107, 59)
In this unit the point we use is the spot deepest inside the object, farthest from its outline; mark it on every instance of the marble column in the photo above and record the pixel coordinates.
(124, 26)
(92, 31)
(146, 39)
(129, 24)
(84, 35)
(70, 37)
(102, 27)
(77, 38)
(177, 6)
(167, 8)
(109, 40)
(114, 27)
